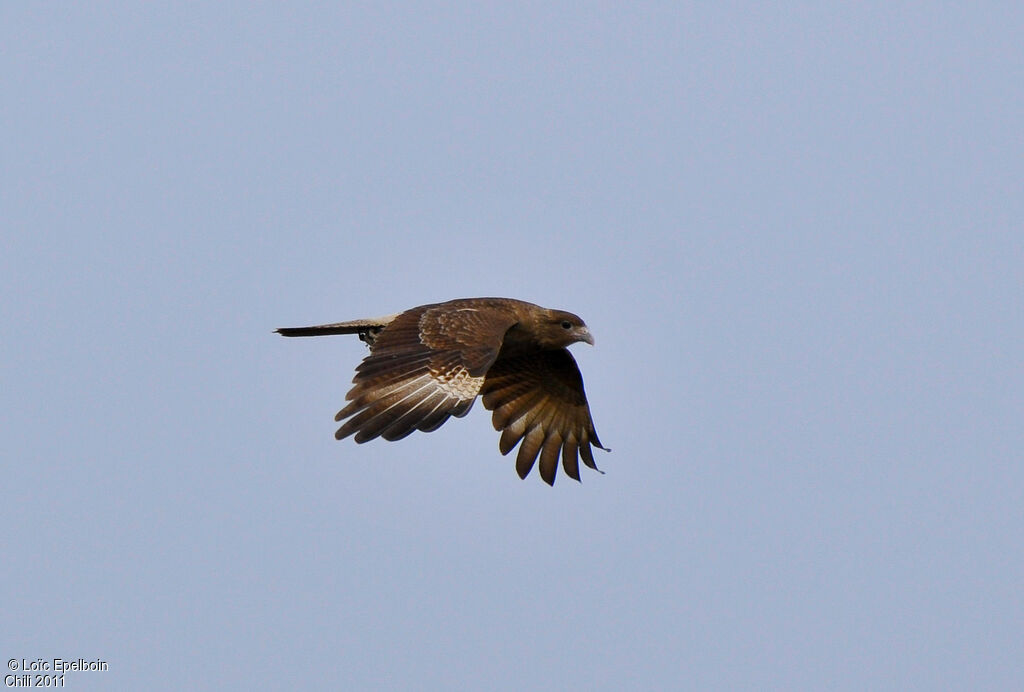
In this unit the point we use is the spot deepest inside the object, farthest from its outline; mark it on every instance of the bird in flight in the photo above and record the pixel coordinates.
(431, 362)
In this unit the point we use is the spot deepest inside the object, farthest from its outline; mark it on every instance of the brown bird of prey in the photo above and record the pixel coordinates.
(430, 363)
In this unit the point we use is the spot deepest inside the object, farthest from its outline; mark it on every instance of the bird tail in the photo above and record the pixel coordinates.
(350, 327)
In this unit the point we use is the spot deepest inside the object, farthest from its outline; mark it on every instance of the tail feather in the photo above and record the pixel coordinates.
(361, 327)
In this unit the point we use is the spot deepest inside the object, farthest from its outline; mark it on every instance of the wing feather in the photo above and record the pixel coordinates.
(424, 367)
(380, 416)
(528, 452)
(407, 422)
(570, 460)
(549, 457)
(538, 401)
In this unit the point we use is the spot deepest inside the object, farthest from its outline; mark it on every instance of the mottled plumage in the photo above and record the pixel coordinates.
(431, 362)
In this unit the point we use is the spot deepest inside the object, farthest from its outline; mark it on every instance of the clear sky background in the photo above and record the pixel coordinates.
(796, 232)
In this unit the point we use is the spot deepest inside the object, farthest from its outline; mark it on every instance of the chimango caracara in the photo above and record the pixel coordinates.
(430, 363)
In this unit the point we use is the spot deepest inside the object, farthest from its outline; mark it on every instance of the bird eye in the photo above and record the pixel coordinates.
(566, 324)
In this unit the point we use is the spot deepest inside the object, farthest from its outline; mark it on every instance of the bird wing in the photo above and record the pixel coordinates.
(425, 366)
(539, 398)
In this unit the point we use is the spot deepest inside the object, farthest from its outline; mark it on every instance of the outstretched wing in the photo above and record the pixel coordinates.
(539, 398)
(426, 365)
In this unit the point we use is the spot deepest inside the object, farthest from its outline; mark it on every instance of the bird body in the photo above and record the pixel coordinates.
(431, 362)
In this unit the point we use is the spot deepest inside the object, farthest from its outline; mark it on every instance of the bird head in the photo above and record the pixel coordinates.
(560, 329)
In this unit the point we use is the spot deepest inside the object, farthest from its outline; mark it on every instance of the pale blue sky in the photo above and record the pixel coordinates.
(797, 233)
